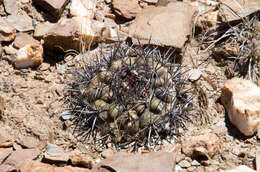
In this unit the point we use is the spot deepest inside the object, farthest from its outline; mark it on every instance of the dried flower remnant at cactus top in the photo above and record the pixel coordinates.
(133, 95)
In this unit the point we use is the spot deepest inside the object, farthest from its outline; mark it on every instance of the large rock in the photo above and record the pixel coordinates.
(167, 26)
(42, 29)
(17, 158)
(240, 8)
(72, 33)
(7, 32)
(34, 166)
(79, 160)
(126, 8)
(83, 8)
(241, 99)
(11, 6)
(30, 55)
(54, 153)
(54, 7)
(21, 22)
(124, 162)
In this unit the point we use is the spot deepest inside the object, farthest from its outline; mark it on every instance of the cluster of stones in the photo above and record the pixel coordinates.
(130, 95)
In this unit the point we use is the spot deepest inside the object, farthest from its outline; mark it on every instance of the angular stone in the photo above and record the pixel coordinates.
(241, 7)
(83, 8)
(71, 33)
(176, 20)
(55, 154)
(34, 166)
(10, 50)
(21, 22)
(241, 99)
(152, 162)
(241, 168)
(126, 8)
(19, 156)
(11, 6)
(23, 39)
(4, 153)
(29, 56)
(54, 7)
(79, 160)
(205, 145)
(42, 29)
(7, 32)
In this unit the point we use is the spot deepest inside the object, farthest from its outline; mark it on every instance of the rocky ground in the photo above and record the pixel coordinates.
(44, 41)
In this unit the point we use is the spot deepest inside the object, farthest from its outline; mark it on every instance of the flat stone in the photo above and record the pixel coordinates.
(204, 145)
(54, 153)
(23, 39)
(21, 22)
(241, 99)
(184, 164)
(152, 162)
(83, 8)
(34, 166)
(126, 8)
(19, 156)
(176, 19)
(54, 7)
(4, 153)
(11, 6)
(240, 7)
(7, 32)
(42, 29)
(30, 55)
(68, 33)
(194, 74)
(28, 141)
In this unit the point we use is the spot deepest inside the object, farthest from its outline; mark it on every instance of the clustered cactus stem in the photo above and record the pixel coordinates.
(134, 94)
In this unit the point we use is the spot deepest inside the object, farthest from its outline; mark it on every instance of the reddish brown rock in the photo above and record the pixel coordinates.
(11, 6)
(68, 33)
(241, 99)
(54, 153)
(79, 160)
(176, 20)
(7, 32)
(205, 145)
(23, 40)
(4, 153)
(19, 156)
(124, 162)
(127, 8)
(54, 7)
(29, 56)
(21, 22)
(34, 166)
